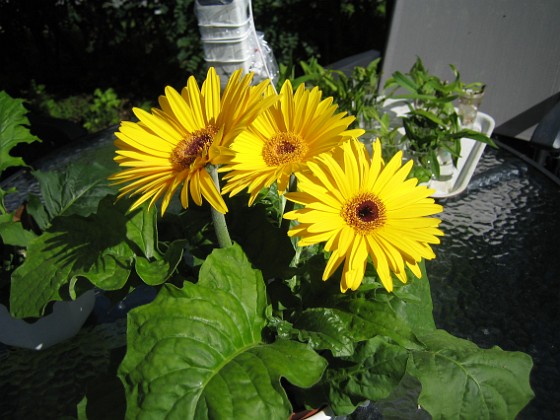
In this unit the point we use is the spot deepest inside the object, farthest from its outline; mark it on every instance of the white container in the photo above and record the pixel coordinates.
(223, 31)
(235, 13)
(229, 49)
(64, 322)
(231, 42)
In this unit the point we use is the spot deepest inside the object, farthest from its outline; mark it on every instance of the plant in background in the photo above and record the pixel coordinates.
(356, 93)
(94, 112)
(432, 125)
(250, 328)
(104, 110)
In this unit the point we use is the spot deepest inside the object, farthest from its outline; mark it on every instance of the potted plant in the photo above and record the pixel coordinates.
(432, 124)
(288, 276)
(64, 319)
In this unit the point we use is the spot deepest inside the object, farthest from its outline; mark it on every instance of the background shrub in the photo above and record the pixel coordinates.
(138, 46)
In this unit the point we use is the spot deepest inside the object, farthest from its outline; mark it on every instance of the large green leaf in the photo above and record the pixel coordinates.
(100, 247)
(75, 190)
(198, 352)
(336, 322)
(460, 380)
(372, 318)
(327, 329)
(12, 130)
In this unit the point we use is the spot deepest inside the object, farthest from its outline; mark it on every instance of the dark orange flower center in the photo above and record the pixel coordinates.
(194, 146)
(284, 148)
(365, 212)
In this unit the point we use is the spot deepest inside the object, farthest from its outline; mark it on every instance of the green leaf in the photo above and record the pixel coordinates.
(159, 269)
(142, 231)
(475, 135)
(326, 329)
(372, 318)
(76, 190)
(403, 81)
(13, 233)
(37, 210)
(335, 321)
(197, 352)
(98, 247)
(372, 373)
(460, 380)
(429, 115)
(12, 130)
(414, 305)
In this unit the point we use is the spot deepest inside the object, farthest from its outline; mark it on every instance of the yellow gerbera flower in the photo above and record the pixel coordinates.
(176, 143)
(283, 139)
(361, 208)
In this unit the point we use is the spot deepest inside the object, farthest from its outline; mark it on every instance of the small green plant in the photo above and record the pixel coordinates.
(432, 123)
(104, 110)
(72, 108)
(356, 93)
(94, 112)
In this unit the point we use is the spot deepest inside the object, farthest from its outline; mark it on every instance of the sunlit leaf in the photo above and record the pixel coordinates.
(198, 352)
(159, 269)
(13, 233)
(13, 130)
(98, 247)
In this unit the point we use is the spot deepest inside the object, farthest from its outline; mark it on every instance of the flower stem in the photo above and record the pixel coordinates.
(288, 205)
(219, 219)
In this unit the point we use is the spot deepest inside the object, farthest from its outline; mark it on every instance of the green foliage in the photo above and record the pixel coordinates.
(75, 246)
(104, 111)
(376, 340)
(373, 371)
(432, 123)
(77, 190)
(198, 352)
(13, 130)
(227, 343)
(72, 108)
(13, 236)
(94, 112)
(479, 377)
(355, 93)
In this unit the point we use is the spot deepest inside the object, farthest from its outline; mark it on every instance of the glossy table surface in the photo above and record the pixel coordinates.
(496, 278)
(495, 281)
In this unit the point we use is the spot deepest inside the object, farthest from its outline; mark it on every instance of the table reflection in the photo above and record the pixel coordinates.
(496, 278)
